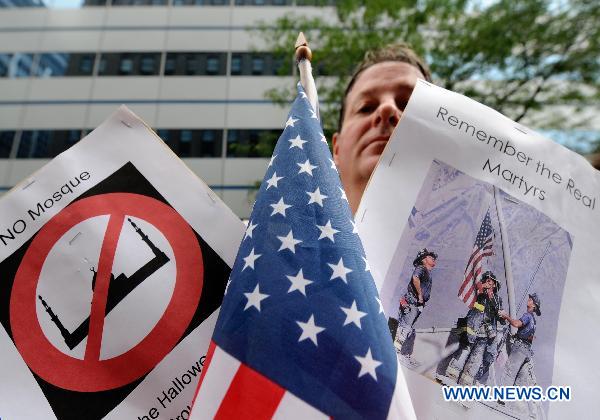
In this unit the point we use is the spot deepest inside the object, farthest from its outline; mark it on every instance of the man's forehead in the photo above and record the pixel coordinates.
(384, 76)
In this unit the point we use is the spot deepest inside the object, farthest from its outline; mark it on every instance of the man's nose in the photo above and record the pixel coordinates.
(387, 113)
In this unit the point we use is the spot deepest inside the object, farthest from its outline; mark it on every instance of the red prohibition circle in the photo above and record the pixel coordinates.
(92, 375)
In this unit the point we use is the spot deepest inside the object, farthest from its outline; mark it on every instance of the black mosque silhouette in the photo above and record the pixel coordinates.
(119, 287)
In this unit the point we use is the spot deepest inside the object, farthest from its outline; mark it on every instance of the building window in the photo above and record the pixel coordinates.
(211, 143)
(64, 64)
(163, 134)
(52, 65)
(129, 64)
(201, 2)
(46, 143)
(193, 143)
(34, 144)
(144, 64)
(251, 143)
(186, 136)
(4, 62)
(213, 65)
(192, 66)
(170, 64)
(86, 64)
(263, 2)
(258, 65)
(148, 64)
(316, 2)
(6, 142)
(16, 65)
(126, 65)
(94, 3)
(64, 139)
(102, 65)
(236, 64)
(139, 2)
(208, 136)
(21, 3)
(185, 143)
(195, 64)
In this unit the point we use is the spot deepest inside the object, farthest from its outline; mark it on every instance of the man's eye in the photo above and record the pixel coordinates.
(401, 103)
(367, 108)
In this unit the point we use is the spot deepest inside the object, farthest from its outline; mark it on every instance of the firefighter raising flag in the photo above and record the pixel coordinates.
(482, 248)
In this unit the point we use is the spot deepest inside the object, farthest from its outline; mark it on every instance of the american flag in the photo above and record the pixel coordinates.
(482, 248)
(301, 333)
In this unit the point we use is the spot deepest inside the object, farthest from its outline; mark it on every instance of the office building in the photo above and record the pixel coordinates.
(195, 70)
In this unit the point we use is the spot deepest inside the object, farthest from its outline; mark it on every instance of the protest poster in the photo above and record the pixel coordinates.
(510, 221)
(114, 259)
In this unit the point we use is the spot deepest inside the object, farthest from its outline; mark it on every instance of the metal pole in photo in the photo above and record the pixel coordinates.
(510, 284)
(533, 276)
(303, 57)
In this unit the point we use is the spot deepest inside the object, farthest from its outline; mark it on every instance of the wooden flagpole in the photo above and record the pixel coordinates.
(303, 56)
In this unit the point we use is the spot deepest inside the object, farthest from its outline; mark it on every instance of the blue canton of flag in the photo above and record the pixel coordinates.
(301, 308)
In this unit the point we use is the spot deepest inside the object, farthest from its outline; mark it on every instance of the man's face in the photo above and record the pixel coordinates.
(373, 108)
(429, 262)
(489, 283)
(530, 305)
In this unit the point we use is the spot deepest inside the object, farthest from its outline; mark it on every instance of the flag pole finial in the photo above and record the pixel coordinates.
(303, 57)
(303, 52)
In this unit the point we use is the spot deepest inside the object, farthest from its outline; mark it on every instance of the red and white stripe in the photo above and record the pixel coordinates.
(236, 391)
(467, 291)
(401, 407)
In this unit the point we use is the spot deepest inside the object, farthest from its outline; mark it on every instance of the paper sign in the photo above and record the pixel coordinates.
(114, 259)
(485, 197)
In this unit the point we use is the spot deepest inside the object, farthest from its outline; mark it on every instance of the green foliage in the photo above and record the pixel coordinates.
(523, 58)
(260, 146)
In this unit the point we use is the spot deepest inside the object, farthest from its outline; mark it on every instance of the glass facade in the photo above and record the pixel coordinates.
(195, 64)
(129, 64)
(16, 65)
(193, 143)
(139, 2)
(186, 143)
(260, 64)
(6, 142)
(83, 3)
(263, 2)
(62, 64)
(46, 143)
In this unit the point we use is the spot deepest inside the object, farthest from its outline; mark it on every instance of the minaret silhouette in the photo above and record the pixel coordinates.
(119, 287)
(145, 238)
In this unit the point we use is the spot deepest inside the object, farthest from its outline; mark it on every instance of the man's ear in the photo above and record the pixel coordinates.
(335, 143)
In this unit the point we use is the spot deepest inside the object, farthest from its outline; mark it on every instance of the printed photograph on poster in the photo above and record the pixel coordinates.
(472, 264)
